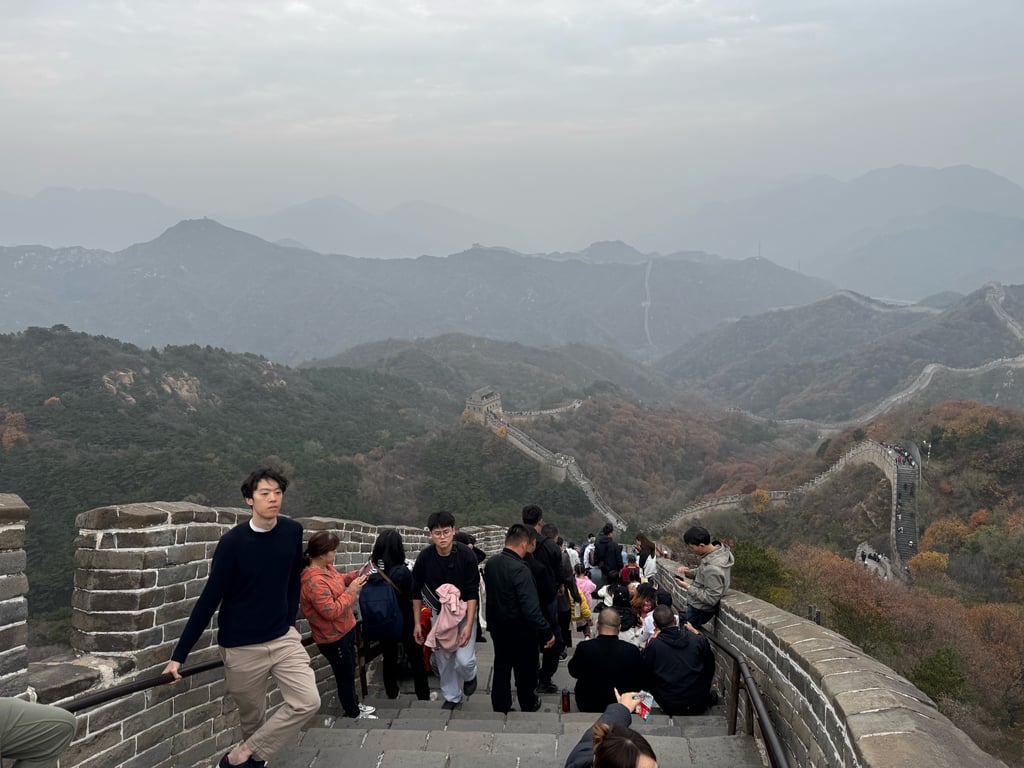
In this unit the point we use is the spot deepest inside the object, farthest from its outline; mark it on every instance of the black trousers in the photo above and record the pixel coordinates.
(549, 656)
(341, 654)
(389, 659)
(514, 653)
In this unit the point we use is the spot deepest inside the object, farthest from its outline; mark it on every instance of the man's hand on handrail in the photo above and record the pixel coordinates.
(173, 668)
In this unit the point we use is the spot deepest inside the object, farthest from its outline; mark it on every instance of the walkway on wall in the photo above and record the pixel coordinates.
(538, 452)
(901, 466)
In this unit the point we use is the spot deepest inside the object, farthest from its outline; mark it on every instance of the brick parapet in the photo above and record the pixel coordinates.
(140, 567)
(14, 516)
(830, 703)
(139, 570)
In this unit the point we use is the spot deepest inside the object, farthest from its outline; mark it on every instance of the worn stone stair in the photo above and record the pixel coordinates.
(419, 734)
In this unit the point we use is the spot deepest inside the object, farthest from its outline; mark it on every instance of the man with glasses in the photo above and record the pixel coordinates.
(603, 664)
(446, 561)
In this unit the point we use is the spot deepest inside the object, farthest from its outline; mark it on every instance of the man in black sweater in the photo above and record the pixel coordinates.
(446, 561)
(603, 664)
(514, 619)
(254, 580)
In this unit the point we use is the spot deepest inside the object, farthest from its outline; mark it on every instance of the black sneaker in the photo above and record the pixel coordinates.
(469, 687)
(537, 705)
(451, 704)
(546, 688)
(481, 639)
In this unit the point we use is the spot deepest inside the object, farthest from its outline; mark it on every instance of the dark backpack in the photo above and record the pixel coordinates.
(378, 605)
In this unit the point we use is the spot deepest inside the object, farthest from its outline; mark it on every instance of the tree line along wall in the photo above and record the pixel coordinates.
(140, 567)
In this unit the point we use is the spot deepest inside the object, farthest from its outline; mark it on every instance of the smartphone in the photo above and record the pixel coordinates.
(643, 709)
(367, 568)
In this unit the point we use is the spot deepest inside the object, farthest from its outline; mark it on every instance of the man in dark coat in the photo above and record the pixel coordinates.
(548, 554)
(515, 621)
(603, 664)
(679, 666)
(608, 555)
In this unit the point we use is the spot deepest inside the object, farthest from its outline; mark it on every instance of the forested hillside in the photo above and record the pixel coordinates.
(88, 421)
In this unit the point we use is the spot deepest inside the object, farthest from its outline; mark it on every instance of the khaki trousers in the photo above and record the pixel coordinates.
(34, 735)
(245, 674)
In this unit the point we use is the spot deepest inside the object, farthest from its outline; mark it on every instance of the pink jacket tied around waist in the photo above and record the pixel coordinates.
(444, 634)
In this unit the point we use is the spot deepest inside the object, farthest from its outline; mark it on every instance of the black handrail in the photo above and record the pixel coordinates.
(776, 754)
(143, 684)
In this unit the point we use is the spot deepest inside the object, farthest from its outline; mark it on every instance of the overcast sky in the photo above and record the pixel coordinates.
(579, 119)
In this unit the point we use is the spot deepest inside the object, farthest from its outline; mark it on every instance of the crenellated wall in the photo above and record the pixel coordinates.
(830, 703)
(140, 567)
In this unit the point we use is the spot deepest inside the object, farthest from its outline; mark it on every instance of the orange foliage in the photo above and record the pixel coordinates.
(926, 562)
(978, 519)
(945, 487)
(944, 535)
(54, 400)
(988, 637)
(13, 430)
(967, 417)
(1014, 521)
(502, 432)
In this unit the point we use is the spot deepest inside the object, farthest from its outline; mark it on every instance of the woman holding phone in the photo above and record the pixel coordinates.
(327, 599)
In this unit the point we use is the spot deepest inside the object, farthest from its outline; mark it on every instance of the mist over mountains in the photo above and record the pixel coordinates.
(902, 232)
(202, 282)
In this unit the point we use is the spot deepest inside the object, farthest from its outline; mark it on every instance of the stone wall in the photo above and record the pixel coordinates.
(13, 588)
(139, 570)
(830, 703)
(140, 567)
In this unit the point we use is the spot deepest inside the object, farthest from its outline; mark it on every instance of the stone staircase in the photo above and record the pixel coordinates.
(419, 734)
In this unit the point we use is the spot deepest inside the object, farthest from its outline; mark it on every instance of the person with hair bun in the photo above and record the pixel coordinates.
(611, 743)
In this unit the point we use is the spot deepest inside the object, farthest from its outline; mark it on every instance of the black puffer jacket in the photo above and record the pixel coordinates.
(679, 667)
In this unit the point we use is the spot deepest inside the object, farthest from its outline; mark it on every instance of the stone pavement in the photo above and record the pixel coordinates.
(419, 734)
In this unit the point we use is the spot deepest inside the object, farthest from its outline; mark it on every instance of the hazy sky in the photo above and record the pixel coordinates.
(577, 118)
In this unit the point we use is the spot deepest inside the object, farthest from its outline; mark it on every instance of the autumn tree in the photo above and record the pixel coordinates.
(944, 535)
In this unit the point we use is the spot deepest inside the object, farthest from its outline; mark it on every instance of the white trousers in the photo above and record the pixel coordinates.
(456, 668)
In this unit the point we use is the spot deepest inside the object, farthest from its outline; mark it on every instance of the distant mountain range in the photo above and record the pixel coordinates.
(113, 220)
(839, 358)
(903, 232)
(201, 282)
(454, 365)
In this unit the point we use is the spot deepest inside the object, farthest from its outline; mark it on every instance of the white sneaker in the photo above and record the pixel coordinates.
(366, 716)
(366, 709)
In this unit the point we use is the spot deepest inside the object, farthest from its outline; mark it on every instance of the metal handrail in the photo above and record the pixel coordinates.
(741, 674)
(142, 684)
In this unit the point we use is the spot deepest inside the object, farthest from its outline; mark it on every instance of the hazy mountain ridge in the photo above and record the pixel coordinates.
(837, 358)
(206, 283)
(456, 364)
(854, 233)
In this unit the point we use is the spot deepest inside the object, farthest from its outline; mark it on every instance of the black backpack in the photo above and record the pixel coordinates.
(378, 605)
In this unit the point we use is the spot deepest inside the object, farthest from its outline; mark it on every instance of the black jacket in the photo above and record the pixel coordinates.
(600, 666)
(512, 604)
(608, 554)
(549, 554)
(542, 580)
(679, 667)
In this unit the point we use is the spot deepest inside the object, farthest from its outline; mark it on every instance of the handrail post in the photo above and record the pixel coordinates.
(734, 696)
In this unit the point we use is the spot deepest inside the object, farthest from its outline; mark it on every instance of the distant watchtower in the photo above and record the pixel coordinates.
(483, 401)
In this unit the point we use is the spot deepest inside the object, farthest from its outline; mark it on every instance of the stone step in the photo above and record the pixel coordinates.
(409, 733)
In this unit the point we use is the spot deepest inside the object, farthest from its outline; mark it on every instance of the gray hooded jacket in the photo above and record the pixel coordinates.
(711, 579)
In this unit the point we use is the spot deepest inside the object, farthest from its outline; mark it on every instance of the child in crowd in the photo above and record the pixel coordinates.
(586, 587)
